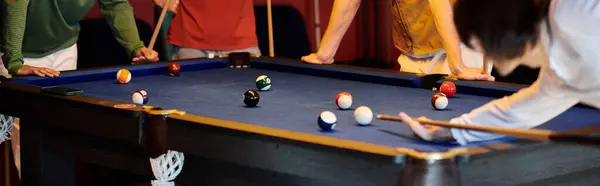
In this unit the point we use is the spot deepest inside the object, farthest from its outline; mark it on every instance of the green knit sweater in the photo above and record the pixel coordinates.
(36, 28)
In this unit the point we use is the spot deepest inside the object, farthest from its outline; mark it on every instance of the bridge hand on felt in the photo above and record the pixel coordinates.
(426, 132)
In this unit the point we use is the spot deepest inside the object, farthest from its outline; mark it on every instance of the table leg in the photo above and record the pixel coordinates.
(7, 164)
(166, 164)
(39, 167)
(424, 172)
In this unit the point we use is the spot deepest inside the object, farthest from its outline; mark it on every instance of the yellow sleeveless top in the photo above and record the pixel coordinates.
(413, 28)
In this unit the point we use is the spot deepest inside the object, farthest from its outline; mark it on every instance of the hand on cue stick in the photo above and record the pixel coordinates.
(149, 50)
(530, 134)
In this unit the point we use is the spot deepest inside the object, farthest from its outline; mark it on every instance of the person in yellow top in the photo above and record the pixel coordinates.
(423, 31)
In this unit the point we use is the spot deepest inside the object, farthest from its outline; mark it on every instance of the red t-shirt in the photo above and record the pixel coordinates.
(214, 25)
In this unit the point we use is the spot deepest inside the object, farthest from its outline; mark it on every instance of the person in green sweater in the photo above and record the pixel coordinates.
(39, 36)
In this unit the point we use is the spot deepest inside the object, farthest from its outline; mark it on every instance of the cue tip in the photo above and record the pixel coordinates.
(386, 117)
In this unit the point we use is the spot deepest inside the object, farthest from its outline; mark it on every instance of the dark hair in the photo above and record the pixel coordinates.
(503, 27)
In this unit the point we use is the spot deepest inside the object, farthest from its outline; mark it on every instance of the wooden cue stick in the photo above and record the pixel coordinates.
(485, 65)
(270, 25)
(159, 24)
(317, 24)
(530, 134)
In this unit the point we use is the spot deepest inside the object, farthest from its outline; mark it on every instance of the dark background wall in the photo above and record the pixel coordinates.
(366, 43)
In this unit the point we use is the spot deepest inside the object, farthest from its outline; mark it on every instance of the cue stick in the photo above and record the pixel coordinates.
(530, 134)
(270, 25)
(485, 65)
(159, 24)
(317, 24)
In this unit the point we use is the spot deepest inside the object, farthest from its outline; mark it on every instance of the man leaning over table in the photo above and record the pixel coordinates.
(39, 38)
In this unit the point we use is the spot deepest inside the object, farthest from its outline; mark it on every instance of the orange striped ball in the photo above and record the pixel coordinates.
(123, 76)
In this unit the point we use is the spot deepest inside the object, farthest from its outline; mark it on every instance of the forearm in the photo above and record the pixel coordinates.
(121, 20)
(13, 30)
(525, 109)
(342, 14)
(442, 13)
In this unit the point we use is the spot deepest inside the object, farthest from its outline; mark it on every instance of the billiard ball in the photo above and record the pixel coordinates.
(174, 69)
(251, 98)
(327, 121)
(439, 101)
(263, 83)
(363, 115)
(448, 88)
(343, 100)
(140, 97)
(123, 76)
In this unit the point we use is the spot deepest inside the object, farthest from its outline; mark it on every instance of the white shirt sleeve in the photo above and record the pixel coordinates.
(570, 75)
(528, 108)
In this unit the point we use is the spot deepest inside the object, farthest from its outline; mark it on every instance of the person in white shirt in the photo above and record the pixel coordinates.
(561, 37)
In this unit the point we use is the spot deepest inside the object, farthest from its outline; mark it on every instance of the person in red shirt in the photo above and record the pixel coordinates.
(207, 28)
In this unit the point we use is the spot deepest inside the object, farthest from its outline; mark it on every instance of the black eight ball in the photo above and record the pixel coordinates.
(251, 98)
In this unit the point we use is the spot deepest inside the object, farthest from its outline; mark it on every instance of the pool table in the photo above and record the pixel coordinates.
(201, 114)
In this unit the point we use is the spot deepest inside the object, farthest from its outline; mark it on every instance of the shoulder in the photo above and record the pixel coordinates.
(575, 28)
(580, 17)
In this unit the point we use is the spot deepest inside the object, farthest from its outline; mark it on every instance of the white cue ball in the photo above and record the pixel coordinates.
(363, 115)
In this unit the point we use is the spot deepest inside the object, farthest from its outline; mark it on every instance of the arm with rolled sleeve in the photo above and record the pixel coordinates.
(528, 108)
(121, 20)
(13, 31)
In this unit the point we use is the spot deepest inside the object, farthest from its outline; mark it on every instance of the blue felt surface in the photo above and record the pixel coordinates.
(295, 100)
